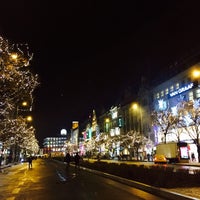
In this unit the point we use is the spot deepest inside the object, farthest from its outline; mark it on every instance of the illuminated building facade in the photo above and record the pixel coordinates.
(168, 96)
(134, 114)
(54, 146)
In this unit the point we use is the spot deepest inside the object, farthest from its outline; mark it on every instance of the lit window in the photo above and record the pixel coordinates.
(166, 91)
(177, 86)
(190, 96)
(162, 93)
(157, 95)
(172, 88)
(198, 93)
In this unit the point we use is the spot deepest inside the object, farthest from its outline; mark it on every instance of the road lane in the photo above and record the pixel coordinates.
(50, 180)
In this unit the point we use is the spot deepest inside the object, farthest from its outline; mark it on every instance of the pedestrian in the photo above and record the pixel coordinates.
(77, 160)
(30, 159)
(68, 159)
(148, 157)
(193, 157)
(1, 159)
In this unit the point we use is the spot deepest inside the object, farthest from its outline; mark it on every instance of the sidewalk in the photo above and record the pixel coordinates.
(2, 167)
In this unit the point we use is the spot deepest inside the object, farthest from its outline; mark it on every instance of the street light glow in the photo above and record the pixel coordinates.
(29, 118)
(107, 120)
(196, 73)
(14, 56)
(135, 106)
(24, 103)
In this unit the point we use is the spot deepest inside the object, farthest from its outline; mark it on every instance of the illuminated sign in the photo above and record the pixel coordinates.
(182, 89)
(114, 115)
(74, 124)
(112, 132)
(114, 112)
(162, 104)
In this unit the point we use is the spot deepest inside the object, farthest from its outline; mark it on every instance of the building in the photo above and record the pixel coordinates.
(54, 146)
(172, 95)
(135, 115)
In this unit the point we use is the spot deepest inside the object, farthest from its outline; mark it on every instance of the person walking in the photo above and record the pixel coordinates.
(67, 159)
(193, 157)
(77, 160)
(30, 159)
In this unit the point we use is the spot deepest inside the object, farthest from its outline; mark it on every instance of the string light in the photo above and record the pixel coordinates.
(17, 83)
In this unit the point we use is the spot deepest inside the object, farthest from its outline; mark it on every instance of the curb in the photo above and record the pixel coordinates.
(161, 192)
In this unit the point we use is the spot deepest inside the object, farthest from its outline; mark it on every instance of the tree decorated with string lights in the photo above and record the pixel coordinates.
(17, 83)
(189, 113)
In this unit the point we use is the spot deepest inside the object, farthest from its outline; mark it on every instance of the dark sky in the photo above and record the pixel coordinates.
(87, 52)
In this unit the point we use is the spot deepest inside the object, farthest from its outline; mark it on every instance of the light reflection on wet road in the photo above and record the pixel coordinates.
(51, 180)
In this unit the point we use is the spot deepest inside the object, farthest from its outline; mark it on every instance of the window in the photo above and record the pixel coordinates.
(162, 93)
(172, 88)
(120, 122)
(190, 96)
(198, 93)
(177, 86)
(166, 91)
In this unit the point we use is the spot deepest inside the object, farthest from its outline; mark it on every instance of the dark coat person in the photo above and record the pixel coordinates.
(30, 159)
(77, 160)
(68, 159)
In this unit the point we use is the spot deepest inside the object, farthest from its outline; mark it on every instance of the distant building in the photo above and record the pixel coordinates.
(54, 146)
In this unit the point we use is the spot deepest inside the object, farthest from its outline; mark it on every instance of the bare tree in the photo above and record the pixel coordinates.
(165, 120)
(190, 114)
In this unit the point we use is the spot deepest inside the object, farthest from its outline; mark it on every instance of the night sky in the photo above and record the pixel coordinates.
(87, 52)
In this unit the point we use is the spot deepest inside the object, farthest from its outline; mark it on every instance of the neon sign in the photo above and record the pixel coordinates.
(162, 104)
(182, 89)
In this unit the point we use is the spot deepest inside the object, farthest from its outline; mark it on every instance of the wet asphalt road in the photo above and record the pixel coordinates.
(52, 180)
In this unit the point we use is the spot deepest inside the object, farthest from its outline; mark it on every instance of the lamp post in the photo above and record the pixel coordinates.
(107, 125)
(22, 106)
(138, 109)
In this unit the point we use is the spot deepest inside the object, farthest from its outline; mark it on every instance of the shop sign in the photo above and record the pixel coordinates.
(181, 90)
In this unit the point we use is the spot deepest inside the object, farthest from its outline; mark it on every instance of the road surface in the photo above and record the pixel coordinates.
(51, 180)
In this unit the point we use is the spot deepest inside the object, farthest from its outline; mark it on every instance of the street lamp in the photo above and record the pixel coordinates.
(29, 118)
(24, 103)
(138, 109)
(195, 75)
(107, 125)
(22, 106)
(14, 56)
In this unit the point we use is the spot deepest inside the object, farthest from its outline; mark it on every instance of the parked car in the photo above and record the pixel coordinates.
(159, 158)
